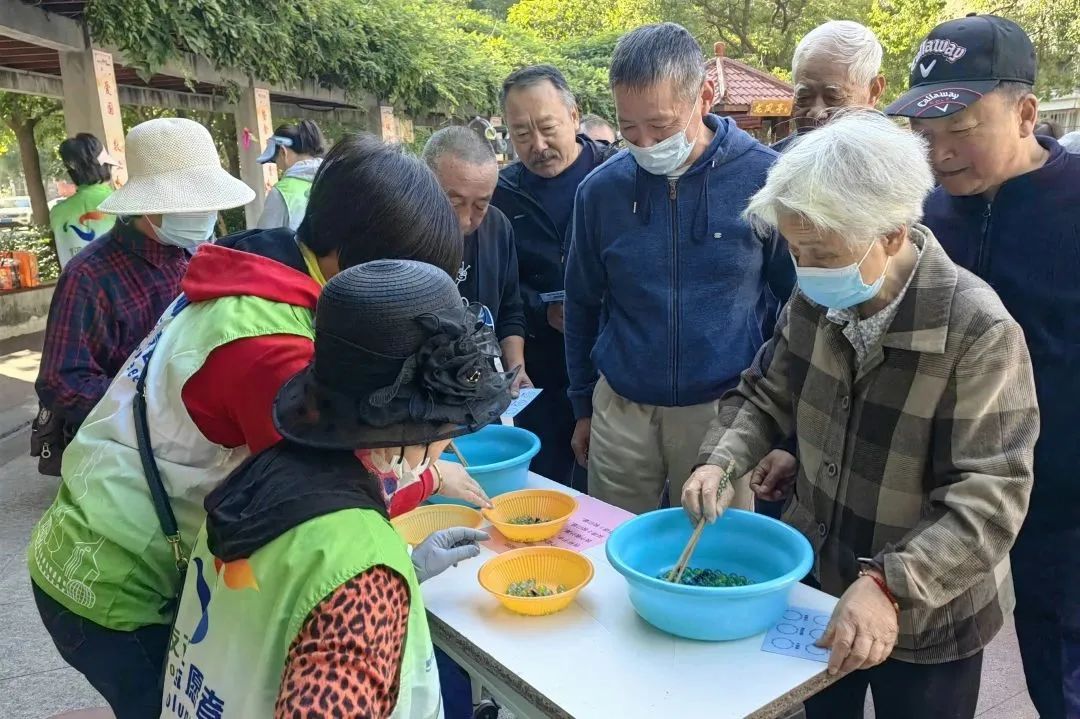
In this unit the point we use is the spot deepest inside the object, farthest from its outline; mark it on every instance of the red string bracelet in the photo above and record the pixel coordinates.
(882, 586)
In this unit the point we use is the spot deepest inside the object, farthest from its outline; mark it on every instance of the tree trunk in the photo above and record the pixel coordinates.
(35, 186)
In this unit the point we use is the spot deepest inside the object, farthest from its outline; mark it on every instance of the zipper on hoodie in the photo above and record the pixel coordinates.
(982, 261)
(673, 197)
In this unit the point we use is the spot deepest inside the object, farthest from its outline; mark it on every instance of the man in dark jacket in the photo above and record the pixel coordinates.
(667, 286)
(467, 170)
(1006, 209)
(537, 194)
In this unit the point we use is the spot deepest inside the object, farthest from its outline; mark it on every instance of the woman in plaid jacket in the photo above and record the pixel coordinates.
(909, 391)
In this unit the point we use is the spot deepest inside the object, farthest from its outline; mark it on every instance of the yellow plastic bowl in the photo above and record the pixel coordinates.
(415, 526)
(548, 504)
(552, 566)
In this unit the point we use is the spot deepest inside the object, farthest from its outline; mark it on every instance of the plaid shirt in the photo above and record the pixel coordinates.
(107, 300)
(921, 458)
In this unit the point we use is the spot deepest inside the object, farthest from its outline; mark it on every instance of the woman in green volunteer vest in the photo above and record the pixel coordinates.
(76, 221)
(301, 600)
(298, 151)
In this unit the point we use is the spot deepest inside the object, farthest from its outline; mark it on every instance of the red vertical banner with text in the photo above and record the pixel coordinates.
(109, 101)
(263, 133)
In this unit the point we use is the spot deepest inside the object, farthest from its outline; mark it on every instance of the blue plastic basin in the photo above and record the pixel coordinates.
(768, 552)
(498, 458)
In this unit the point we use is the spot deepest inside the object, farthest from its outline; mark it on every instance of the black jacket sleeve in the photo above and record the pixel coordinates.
(512, 305)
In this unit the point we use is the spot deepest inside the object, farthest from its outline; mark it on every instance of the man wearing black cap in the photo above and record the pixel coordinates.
(1007, 210)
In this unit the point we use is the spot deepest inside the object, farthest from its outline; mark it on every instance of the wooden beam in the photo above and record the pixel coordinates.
(30, 83)
(31, 24)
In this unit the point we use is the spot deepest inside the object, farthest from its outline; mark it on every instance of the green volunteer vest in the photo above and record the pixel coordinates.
(295, 191)
(77, 221)
(99, 549)
(237, 621)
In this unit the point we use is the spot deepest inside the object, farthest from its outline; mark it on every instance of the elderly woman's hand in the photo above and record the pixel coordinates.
(774, 476)
(863, 628)
(457, 484)
(707, 493)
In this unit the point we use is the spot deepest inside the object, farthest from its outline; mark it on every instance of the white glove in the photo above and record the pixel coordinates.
(444, 549)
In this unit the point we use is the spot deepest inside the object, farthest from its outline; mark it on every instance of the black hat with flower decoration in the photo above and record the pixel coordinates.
(400, 360)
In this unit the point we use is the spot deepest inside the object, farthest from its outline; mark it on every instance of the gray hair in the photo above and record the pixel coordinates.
(458, 142)
(845, 43)
(534, 75)
(656, 53)
(1071, 142)
(591, 120)
(859, 176)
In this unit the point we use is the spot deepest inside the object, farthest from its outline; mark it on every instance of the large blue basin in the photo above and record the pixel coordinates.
(768, 552)
(498, 457)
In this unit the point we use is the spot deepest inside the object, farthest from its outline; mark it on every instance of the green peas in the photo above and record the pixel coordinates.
(532, 588)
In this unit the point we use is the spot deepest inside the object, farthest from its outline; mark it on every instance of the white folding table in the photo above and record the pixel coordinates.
(598, 660)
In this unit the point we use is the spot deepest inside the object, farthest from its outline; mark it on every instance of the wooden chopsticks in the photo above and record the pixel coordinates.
(459, 455)
(684, 559)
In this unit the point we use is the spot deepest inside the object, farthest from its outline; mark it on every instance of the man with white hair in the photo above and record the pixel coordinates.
(668, 288)
(909, 391)
(837, 64)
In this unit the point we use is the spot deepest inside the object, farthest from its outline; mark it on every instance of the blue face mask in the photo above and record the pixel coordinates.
(838, 288)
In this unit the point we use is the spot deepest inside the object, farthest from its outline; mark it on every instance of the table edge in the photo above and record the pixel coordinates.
(777, 707)
(442, 630)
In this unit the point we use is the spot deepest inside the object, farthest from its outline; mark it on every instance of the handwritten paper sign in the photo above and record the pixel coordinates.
(794, 635)
(589, 526)
(528, 394)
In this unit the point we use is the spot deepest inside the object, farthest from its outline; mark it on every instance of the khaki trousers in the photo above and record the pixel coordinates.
(634, 449)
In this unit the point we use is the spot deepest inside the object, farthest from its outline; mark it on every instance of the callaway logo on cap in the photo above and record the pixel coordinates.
(962, 60)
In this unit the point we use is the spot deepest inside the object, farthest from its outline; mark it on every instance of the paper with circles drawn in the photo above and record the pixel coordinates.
(794, 635)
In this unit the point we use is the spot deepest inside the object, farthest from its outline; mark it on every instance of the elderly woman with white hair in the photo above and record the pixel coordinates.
(835, 65)
(909, 390)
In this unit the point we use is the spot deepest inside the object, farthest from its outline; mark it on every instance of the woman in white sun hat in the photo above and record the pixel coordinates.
(110, 295)
(107, 301)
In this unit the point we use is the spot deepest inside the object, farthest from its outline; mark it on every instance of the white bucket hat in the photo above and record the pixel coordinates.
(174, 167)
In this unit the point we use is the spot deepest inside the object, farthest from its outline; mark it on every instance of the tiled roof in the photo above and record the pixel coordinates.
(744, 84)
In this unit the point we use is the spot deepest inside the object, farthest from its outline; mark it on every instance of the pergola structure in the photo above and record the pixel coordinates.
(46, 49)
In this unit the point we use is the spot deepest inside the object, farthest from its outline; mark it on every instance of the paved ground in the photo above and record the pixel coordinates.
(35, 683)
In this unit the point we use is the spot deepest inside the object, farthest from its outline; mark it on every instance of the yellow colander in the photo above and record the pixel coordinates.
(550, 566)
(550, 505)
(415, 526)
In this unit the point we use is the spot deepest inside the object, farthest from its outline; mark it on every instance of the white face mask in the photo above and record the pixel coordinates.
(186, 229)
(394, 474)
(666, 156)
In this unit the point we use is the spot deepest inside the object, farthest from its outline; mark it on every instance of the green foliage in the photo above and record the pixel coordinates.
(559, 20)
(763, 33)
(37, 240)
(423, 56)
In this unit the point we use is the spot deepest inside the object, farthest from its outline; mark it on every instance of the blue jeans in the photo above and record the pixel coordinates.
(1046, 573)
(127, 668)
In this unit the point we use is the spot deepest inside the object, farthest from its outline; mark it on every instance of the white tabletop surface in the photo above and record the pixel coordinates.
(598, 659)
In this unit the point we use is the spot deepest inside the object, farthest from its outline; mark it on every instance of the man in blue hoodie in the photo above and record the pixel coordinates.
(667, 287)
(1006, 209)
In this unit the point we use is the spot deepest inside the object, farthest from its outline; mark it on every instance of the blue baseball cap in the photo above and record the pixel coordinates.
(272, 148)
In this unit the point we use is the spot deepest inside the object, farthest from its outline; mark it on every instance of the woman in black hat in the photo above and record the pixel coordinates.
(301, 599)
